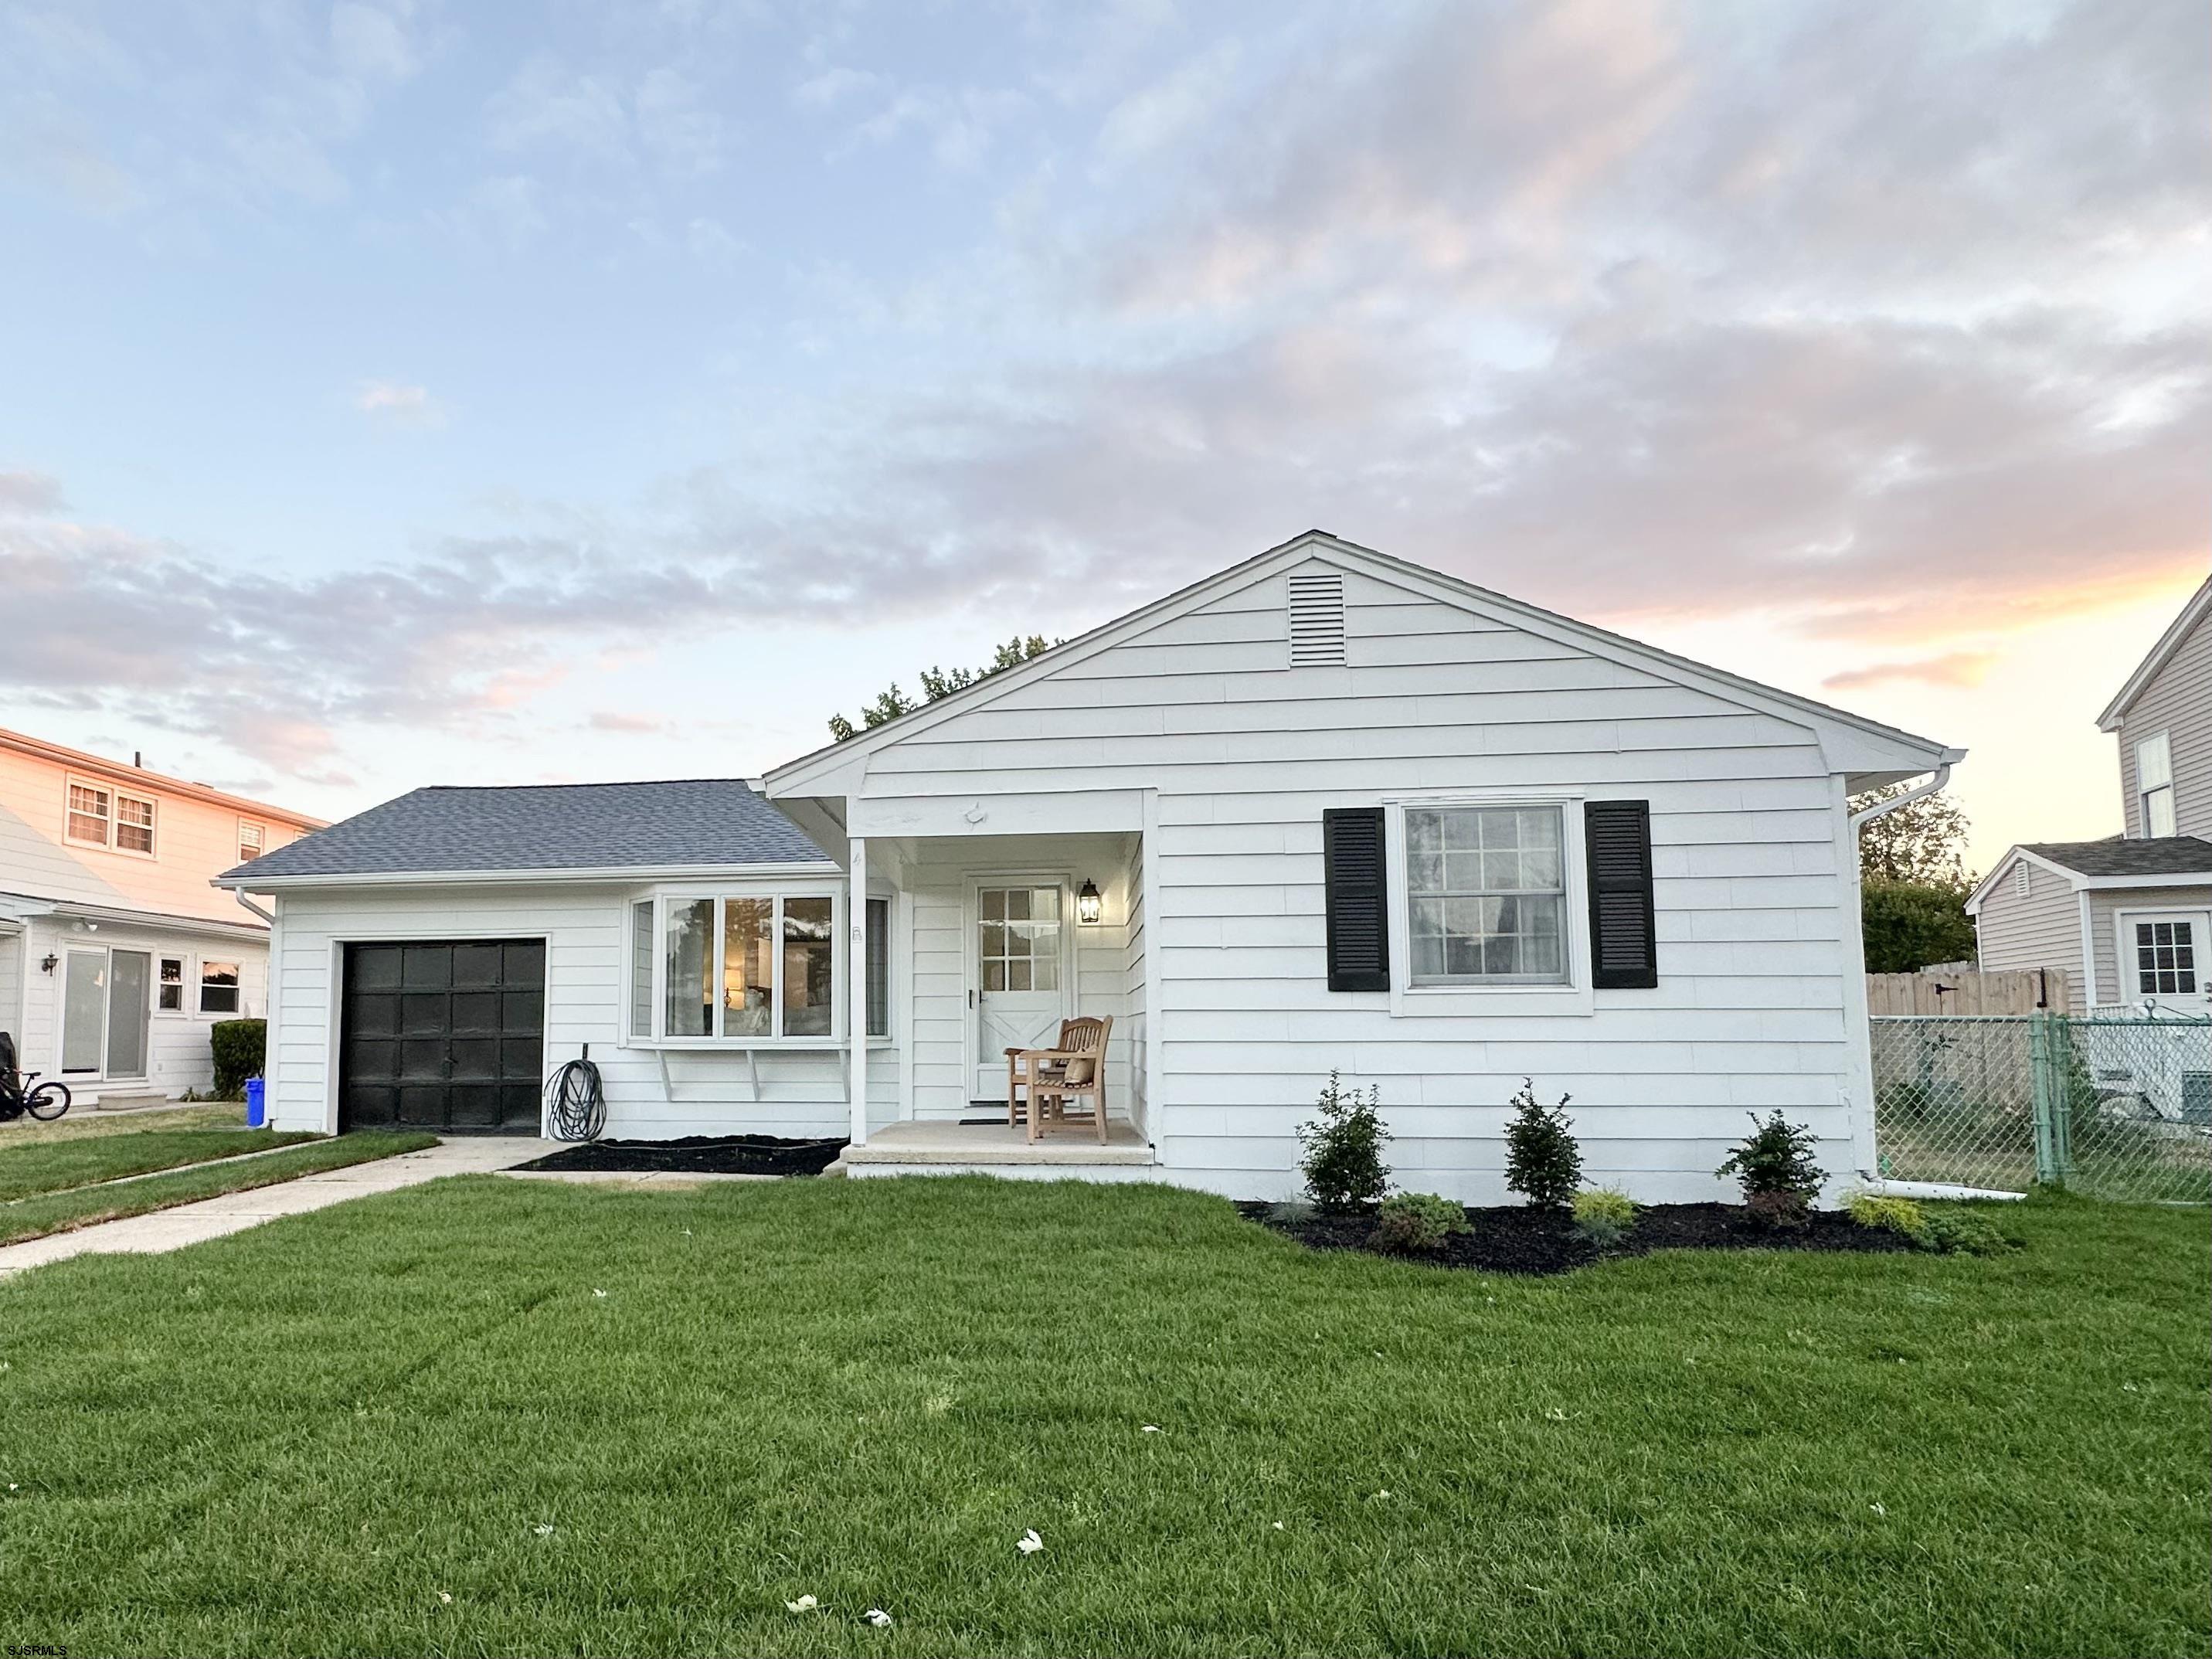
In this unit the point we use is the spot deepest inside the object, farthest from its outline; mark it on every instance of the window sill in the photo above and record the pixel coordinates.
(755, 1045)
(1440, 1001)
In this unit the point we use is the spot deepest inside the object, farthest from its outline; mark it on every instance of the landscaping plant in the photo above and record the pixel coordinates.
(1542, 1163)
(240, 1047)
(1948, 1231)
(1603, 1215)
(1416, 1223)
(1774, 1165)
(1343, 1163)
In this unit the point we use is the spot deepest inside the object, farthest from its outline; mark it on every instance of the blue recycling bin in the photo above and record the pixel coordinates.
(257, 1104)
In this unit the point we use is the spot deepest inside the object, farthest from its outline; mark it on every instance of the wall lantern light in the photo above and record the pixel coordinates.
(1088, 906)
(51, 962)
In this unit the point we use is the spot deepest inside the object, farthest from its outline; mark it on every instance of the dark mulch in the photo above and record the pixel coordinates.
(697, 1155)
(1515, 1239)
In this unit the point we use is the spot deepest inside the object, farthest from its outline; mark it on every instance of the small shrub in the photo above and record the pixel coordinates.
(1895, 1215)
(240, 1049)
(1542, 1163)
(1416, 1223)
(1774, 1165)
(1343, 1163)
(1961, 1232)
(1603, 1215)
(1291, 1212)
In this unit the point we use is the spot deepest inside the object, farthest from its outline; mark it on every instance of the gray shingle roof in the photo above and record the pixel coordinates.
(2166, 855)
(701, 822)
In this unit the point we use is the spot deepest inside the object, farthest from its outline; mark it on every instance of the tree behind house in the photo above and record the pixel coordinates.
(891, 702)
(1914, 884)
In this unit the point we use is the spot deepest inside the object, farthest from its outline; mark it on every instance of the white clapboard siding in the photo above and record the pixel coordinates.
(801, 1092)
(1244, 752)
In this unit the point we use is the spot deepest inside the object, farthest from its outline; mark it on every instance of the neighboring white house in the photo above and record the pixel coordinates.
(1324, 810)
(115, 954)
(2129, 918)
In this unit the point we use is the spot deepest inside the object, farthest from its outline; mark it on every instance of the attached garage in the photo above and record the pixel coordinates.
(443, 1034)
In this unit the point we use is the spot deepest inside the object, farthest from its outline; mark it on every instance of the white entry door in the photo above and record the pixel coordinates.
(1019, 973)
(2165, 959)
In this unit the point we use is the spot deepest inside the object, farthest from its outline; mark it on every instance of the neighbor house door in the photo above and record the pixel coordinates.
(1019, 973)
(84, 1011)
(130, 1006)
(2165, 959)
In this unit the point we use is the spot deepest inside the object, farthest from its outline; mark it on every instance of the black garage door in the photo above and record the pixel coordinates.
(448, 1036)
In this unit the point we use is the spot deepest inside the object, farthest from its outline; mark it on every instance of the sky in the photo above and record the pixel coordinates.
(396, 392)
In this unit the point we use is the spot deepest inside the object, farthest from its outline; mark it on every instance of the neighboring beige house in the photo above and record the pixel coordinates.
(2129, 918)
(116, 955)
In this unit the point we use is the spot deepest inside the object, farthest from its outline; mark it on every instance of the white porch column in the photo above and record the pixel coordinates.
(856, 997)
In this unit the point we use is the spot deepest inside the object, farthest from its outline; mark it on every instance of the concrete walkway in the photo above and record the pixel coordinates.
(233, 1212)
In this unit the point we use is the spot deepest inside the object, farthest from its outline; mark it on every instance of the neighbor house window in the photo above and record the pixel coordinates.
(91, 812)
(252, 839)
(169, 986)
(2165, 958)
(752, 966)
(134, 824)
(1486, 895)
(2155, 785)
(218, 987)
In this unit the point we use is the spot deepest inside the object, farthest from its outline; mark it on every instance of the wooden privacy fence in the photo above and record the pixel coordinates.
(1957, 992)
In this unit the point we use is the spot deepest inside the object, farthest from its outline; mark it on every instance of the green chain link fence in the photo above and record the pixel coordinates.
(2112, 1106)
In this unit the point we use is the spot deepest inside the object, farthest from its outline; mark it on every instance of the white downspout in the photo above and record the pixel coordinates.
(856, 995)
(1883, 808)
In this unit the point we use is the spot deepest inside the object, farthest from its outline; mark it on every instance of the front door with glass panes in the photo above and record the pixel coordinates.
(1018, 975)
(106, 998)
(2165, 959)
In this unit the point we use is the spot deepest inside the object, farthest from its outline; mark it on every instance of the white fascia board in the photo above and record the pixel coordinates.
(1853, 743)
(2175, 878)
(2200, 603)
(630, 874)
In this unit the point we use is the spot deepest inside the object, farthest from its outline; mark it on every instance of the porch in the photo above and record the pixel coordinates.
(944, 1147)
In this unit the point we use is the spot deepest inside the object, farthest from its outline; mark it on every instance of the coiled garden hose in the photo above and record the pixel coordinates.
(576, 1100)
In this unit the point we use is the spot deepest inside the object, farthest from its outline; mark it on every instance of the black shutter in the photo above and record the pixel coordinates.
(1352, 865)
(1624, 948)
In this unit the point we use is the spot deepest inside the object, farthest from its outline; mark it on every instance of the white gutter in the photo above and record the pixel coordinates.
(246, 903)
(1883, 808)
(631, 875)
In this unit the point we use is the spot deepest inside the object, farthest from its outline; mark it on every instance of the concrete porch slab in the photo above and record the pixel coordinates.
(983, 1144)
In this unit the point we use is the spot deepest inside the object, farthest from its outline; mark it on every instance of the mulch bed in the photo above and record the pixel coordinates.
(1515, 1239)
(765, 1155)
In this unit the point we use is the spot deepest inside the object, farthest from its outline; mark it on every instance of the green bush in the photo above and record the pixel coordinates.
(1542, 1163)
(1343, 1163)
(1907, 924)
(1774, 1165)
(1416, 1223)
(1895, 1215)
(1603, 1215)
(1961, 1232)
(240, 1050)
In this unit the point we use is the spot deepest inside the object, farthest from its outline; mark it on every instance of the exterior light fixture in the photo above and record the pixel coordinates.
(1088, 906)
(51, 962)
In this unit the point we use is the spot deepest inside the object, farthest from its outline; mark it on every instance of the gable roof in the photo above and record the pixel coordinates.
(791, 777)
(448, 832)
(2199, 605)
(2116, 861)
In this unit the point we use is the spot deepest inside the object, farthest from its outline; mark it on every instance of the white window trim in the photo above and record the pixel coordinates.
(198, 984)
(684, 892)
(152, 806)
(2144, 792)
(71, 781)
(1573, 998)
(187, 986)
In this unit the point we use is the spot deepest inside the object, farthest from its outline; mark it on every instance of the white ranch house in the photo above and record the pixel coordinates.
(1326, 809)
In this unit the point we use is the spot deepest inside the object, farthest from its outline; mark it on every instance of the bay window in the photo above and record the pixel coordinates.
(749, 968)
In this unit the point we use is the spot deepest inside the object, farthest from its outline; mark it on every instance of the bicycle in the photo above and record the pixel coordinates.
(21, 1093)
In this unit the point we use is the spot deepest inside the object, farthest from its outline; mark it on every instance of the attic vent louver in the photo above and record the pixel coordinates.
(1317, 620)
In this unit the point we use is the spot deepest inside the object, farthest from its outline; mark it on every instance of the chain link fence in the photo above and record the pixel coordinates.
(2114, 1106)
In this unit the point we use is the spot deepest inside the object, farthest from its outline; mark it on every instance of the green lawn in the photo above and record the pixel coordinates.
(52, 1211)
(81, 1123)
(52, 1166)
(610, 1422)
